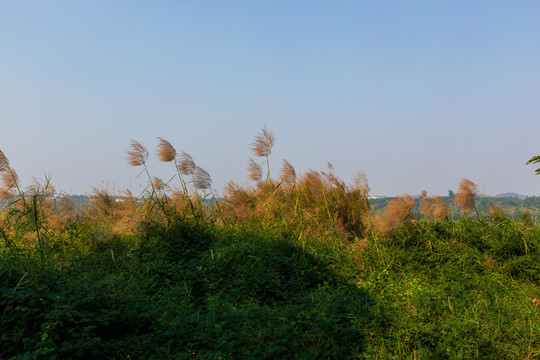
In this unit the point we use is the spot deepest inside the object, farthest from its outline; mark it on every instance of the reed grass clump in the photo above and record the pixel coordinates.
(262, 146)
(397, 212)
(312, 203)
(435, 208)
(165, 151)
(137, 155)
(263, 143)
(254, 171)
(464, 197)
(285, 268)
(287, 174)
(361, 183)
(186, 164)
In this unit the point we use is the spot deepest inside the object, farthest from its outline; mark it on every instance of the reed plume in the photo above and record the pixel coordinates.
(287, 173)
(360, 182)
(464, 198)
(6, 177)
(399, 211)
(331, 179)
(434, 207)
(4, 163)
(312, 182)
(262, 143)
(59, 213)
(41, 188)
(202, 178)
(186, 164)
(240, 201)
(137, 155)
(9, 180)
(254, 171)
(330, 166)
(159, 184)
(4, 195)
(165, 151)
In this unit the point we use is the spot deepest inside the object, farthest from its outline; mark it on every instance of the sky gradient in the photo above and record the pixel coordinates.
(417, 94)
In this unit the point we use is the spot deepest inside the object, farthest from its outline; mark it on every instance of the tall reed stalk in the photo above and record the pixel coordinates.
(167, 153)
(262, 146)
(137, 155)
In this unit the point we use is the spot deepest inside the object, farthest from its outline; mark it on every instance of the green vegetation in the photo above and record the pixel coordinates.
(300, 268)
(510, 206)
(535, 160)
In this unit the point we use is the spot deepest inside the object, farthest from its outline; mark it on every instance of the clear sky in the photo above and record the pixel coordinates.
(418, 94)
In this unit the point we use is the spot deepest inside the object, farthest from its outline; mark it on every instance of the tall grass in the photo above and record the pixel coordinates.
(297, 266)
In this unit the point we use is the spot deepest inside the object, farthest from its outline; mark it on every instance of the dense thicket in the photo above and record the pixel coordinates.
(300, 267)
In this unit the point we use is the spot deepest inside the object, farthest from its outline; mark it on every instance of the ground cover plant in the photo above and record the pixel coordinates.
(298, 266)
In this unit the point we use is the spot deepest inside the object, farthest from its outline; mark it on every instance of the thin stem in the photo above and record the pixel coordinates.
(19, 191)
(36, 223)
(268, 167)
(184, 188)
(154, 193)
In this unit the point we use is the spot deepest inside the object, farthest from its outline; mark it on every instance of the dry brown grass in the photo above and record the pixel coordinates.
(320, 202)
(9, 181)
(263, 143)
(186, 164)
(464, 198)
(287, 174)
(159, 184)
(137, 154)
(4, 195)
(40, 188)
(254, 171)
(181, 204)
(4, 162)
(360, 182)
(59, 213)
(312, 184)
(397, 212)
(165, 151)
(120, 215)
(202, 179)
(435, 208)
(332, 179)
(240, 201)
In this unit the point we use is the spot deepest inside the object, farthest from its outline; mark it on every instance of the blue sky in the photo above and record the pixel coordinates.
(417, 94)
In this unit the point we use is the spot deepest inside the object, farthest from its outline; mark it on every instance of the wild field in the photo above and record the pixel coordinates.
(296, 266)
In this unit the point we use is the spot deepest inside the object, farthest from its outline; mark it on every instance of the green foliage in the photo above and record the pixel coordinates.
(454, 289)
(281, 272)
(510, 206)
(182, 289)
(459, 289)
(534, 160)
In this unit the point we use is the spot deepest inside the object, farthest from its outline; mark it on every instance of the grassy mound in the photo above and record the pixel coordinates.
(183, 291)
(457, 289)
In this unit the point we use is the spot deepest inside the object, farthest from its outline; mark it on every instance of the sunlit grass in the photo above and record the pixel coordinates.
(296, 266)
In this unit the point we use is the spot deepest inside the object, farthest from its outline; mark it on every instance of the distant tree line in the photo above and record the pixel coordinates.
(511, 206)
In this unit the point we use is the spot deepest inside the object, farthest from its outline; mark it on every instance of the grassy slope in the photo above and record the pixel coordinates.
(457, 289)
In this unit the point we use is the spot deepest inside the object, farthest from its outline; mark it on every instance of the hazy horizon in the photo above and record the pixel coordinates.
(417, 95)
